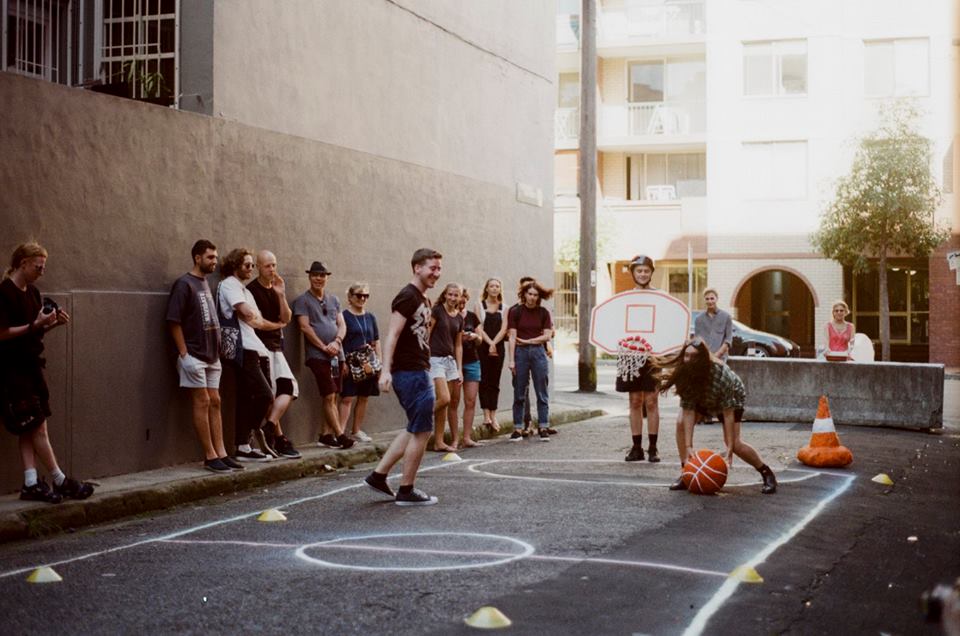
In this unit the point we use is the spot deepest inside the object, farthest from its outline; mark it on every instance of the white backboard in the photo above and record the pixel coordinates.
(658, 317)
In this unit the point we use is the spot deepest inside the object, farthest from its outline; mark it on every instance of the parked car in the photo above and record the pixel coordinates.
(760, 344)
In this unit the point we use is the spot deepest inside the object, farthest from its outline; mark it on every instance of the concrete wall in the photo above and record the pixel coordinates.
(889, 394)
(118, 191)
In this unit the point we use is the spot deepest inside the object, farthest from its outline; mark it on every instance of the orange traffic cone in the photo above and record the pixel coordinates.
(824, 449)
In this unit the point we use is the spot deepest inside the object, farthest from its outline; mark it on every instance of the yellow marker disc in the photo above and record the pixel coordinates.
(272, 515)
(488, 618)
(746, 574)
(44, 575)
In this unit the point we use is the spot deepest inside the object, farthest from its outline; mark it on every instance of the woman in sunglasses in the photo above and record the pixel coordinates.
(706, 387)
(362, 336)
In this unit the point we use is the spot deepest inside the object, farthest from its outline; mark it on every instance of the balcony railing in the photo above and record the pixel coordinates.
(566, 125)
(680, 117)
(641, 20)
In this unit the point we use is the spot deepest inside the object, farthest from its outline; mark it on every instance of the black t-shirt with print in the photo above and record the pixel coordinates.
(443, 338)
(412, 352)
(17, 308)
(191, 305)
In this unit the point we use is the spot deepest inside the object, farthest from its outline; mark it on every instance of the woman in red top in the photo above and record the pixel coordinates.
(530, 327)
(839, 332)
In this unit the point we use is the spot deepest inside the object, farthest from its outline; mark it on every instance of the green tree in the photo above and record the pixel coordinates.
(885, 205)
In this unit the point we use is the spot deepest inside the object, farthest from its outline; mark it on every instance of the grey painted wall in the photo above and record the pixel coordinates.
(119, 190)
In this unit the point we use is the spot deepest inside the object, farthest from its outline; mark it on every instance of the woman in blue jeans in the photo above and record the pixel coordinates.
(529, 329)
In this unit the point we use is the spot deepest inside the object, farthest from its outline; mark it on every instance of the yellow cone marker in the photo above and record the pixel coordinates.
(746, 574)
(487, 617)
(44, 575)
(451, 457)
(272, 515)
(883, 478)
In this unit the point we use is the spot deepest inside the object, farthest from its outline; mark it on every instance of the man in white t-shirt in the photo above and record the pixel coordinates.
(254, 395)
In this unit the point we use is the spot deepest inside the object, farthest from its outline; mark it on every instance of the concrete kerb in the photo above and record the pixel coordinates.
(184, 484)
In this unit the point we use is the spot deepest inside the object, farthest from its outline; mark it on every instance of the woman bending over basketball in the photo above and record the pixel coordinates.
(706, 387)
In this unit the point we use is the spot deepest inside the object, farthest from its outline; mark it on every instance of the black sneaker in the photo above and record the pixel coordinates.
(264, 443)
(40, 491)
(73, 489)
(216, 466)
(552, 431)
(231, 463)
(252, 455)
(652, 455)
(380, 485)
(285, 447)
(769, 483)
(516, 436)
(328, 440)
(415, 498)
(544, 435)
(344, 442)
(678, 485)
(635, 454)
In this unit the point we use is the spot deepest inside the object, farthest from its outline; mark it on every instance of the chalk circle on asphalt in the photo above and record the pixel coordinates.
(615, 472)
(415, 552)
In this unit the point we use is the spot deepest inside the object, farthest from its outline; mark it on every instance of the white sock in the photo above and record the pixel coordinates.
(30, 477)
(58, 477)
(244, 448)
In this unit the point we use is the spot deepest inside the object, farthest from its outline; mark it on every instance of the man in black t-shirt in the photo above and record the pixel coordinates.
(269, 291)
(406, 366)
(195, 329)
(24, 396)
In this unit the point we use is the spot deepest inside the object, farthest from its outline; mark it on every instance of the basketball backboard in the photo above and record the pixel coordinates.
(661, 319)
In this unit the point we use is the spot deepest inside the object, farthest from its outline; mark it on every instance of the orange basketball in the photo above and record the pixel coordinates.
(705, 472)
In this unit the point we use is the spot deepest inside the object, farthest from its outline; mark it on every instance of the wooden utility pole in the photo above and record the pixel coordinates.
(587, 366)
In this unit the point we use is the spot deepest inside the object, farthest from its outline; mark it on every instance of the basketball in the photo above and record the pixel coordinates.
(705, 472)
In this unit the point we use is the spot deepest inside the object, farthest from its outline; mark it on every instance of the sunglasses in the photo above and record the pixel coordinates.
(247, 266)
(363, 296)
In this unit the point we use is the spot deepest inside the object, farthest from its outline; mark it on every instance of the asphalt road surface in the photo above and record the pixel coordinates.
(562, 537)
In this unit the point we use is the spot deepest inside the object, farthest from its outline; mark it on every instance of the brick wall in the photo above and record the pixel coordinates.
(944, 307)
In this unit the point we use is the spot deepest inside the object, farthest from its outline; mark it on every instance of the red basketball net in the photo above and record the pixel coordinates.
(632, 353)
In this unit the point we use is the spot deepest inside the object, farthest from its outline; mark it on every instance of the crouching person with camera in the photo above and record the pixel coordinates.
(24, 397)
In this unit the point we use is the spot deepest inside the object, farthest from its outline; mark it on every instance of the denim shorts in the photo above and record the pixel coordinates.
(415, 391)
(444, 368)
(471, 371)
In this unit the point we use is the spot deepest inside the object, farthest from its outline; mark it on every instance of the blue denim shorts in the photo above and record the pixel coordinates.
(415, 391)
(471, 371)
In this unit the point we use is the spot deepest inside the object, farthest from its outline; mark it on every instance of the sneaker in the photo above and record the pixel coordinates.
(216, 466)
(327, 440)
(415, 498)
(379, 485)
(544, 435)
(285, 448)
(769, 483)
(231, 463)
(73, 489)
(516, 436)
(344, 441)
(526, 432)
(552, 431)
(40, 491)
(360, 436)
(252, 455)
(635, 454)
(652, 455)
(678, 485)
(264, 443)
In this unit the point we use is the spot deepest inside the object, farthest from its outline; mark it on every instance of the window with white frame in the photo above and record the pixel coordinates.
(665, 176)
(775, 170)
(140, 46)
(775, 68)
(896, 68)
(37, 38)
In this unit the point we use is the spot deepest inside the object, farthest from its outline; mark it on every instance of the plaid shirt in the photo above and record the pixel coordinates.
(724, 390)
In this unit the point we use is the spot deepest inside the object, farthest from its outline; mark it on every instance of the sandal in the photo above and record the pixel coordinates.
(493, 427)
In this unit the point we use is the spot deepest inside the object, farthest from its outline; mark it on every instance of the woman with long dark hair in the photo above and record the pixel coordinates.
(707, 387)
(530, 328)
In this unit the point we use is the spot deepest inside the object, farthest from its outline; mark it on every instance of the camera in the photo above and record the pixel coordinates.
(50, 305)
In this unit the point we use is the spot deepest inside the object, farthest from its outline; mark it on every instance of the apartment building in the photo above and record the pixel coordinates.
(721, 127)
(351, 132)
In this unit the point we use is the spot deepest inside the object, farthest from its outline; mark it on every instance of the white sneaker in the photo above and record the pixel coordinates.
(360, 436)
